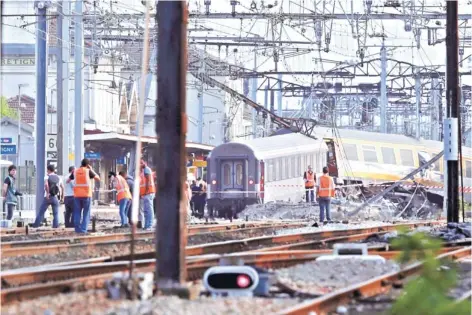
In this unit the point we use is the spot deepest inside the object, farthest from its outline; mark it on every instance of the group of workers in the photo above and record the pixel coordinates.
(325, 190)
(76, 194)
(199, 196)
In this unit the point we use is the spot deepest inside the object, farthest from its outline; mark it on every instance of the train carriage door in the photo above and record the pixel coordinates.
(331, 159)
(262, 181)
(233, 175)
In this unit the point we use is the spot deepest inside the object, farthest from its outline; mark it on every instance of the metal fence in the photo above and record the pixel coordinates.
(25, 178)
(26, 208)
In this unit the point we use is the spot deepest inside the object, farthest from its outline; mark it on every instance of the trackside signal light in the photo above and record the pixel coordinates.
(251, 182)
(231, 280)
(213, 182)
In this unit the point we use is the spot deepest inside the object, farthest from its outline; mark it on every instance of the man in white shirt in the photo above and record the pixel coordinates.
(69, 201)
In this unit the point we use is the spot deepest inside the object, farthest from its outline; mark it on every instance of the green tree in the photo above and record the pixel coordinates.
(6, 110)
(427, 294)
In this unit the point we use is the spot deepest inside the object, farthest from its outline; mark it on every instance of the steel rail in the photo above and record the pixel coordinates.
(379, 285)
(62, 279)
(127, 236)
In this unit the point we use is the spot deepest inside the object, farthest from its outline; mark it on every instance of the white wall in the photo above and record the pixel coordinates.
(27, 151)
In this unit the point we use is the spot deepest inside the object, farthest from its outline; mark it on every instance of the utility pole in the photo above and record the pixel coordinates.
(41, 77)
(383, 89)
(451, 136)
(18, 161)
(254, 98)
(78, 84)
(62, 82)
(200, 105)
(171, 21)
(279, 96)
(418, 105)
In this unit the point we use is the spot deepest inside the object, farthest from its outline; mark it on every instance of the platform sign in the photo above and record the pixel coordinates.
(8, 149)
(93, 155)
(6, 140)
(51, 149)
(121, 161)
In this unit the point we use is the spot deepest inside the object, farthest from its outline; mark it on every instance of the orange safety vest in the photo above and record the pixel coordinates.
(143, 183)
(83, 185)
(122, 188)
(310, 177)
(326, 188)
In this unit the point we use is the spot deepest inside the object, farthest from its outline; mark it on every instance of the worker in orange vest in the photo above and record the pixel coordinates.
(123, 196)
(325, 192)
(310, 179)
(82, 194)
(147, 192)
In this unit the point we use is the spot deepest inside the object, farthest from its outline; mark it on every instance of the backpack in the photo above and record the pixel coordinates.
(53, 187)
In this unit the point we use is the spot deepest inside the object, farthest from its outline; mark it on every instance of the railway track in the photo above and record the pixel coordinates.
(28, 283)
(31, 244)
(379, 285)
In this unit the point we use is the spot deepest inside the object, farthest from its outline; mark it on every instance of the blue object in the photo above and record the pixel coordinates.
(93, 155)
(8, 149)
(121, 160)
(6, 140)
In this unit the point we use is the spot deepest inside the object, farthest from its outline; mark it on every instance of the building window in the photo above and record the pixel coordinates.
(407, 157)
(388, 155)
(239, 174)
(351, 151)
(226, 175)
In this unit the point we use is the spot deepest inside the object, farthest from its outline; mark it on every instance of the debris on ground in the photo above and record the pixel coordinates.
(453, 231)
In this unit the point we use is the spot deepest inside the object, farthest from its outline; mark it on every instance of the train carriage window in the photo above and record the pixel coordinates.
(437, 164)
(407, 157)
(226, 175)
(388, 155)
(290, 167)
(468, 169)
(283, 166)
(269, 170)
(277, 169)
(297, 165)
(239, 174)
(370, 155)
(351, 151)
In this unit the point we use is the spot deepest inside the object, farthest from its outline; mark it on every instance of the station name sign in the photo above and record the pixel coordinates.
(20, 61)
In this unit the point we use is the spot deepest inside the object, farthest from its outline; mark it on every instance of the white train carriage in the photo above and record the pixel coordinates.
(261, 170)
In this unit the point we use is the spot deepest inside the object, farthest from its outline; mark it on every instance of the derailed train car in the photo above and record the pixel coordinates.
(261, 170)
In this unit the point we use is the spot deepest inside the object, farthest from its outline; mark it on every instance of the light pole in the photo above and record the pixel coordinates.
(19, 123)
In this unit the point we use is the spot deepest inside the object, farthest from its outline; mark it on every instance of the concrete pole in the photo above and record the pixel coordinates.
(383, 90)
(435, 109)
(418, 105)
(279, 96)
(18, 159)
(41, 81)
(78, 84)
(62, 81)
(200, 115)
(254, 98)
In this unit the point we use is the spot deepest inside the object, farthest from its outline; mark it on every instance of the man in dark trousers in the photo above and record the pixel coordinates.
(310, 178)
(69, 201)
(53, 189)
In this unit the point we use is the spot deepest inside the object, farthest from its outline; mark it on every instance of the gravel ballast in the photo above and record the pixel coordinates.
(95, 302)
(326, 276)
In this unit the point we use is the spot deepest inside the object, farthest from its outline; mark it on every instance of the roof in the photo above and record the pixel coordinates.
(28, 111)
(287, 143)
(98, 136)
(10, 121)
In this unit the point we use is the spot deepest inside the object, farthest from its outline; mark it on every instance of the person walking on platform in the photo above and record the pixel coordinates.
(325, 191)
(123, 196)
(69, 201)
(310, 179)
(130, 181)
(10, 193)
(53, 190)
(147, 191)
(83, 195)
